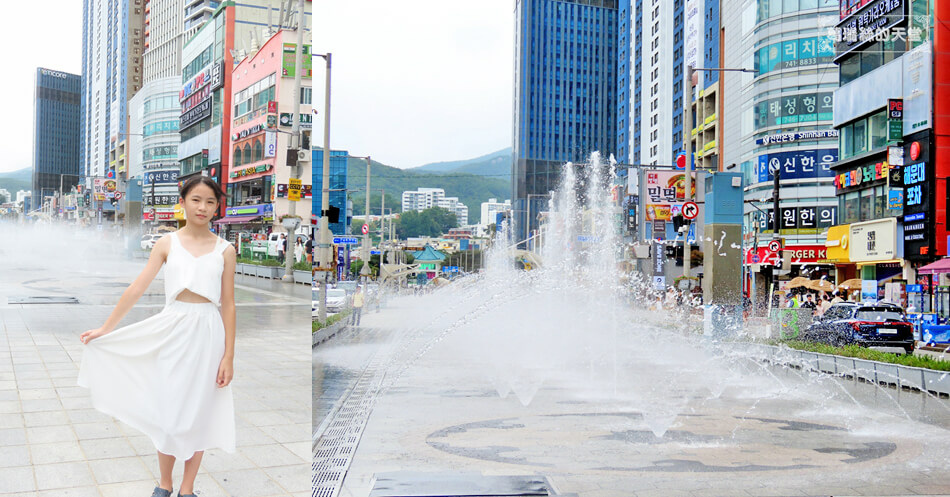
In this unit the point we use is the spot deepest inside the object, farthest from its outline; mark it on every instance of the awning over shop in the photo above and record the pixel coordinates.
(237, 219)
(941, 266)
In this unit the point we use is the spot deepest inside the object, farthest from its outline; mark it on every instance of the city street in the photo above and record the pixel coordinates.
(54, 442)
(430, 405)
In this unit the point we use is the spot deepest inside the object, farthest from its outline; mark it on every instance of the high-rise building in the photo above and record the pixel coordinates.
(338, 189)
(491, 209)
(164, 35)
(56, 110)
(564, 95)
(112, 46)
(779, 118)
(255, 20)
(426, 198)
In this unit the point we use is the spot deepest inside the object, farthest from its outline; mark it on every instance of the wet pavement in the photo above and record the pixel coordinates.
(768, 431)
(54, 442)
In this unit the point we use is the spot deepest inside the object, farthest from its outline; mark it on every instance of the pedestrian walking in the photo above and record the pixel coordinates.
(169, 375)
(298, 250)
(309, 248)
(357, 306)
(809, 303)
(281, 248)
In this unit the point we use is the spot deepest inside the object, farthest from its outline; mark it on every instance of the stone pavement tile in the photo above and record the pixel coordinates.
(247, 483)
(661, 492)
(11, 420)
(883, 490)
(14, 455)
(73, 402)
(64, 381)
(119, 469)
(67, 392)
(38, 383)
(12, 436)
(64, 373)
(219, 460)
(49, 434)
(129, 488)
(41, 405)
(58, 452)
(769, 491)
(32, 373)
(9, 395)
(301, 449)
(87, 416)
(206, 486)
(45, 418)
(289, 433)
(37, 394)
(718, 492)
(63, 475)
(10, 407)
(71, 492)
(18, 479)
(107, 448)
(86, 431)
(142, 445)
(293, 478)
(264, 418)
(926, 489)
(265, 456)
(252, 436)
(7, 385)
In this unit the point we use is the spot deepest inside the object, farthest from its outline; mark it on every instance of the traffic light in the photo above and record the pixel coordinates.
(678, 222)
(333, 214)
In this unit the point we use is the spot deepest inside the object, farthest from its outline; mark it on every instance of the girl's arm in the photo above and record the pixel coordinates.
(229, 316)
(134, 292)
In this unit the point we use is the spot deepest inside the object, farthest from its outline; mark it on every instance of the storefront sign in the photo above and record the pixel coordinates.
(918, 176)
(837, 243)
(293, 191)
(160, 177)
(270, 144)
(248, 171)
(212, 77)
(663, 193)
(789, 54)
(861, 175)
(874, 17)
(895, 120)
(290, 59)
(801, 220)
(286, 119)
(848, 7)
(797, 135)
(159, 199)
(103, 188)
(244, 133)
(793, 109)
(918, 88)
(797, 165)
(251, 210)
(196, 114)
(873, 240)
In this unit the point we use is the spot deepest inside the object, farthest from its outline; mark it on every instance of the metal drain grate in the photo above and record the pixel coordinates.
(42, 299)
(410, 484)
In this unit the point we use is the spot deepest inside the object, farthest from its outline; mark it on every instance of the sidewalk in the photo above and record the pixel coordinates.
(55, 444)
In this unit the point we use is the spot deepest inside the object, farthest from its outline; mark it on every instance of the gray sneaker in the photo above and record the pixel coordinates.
(161, 492)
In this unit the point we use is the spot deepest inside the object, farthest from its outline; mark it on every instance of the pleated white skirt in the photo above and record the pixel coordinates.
(158, 376)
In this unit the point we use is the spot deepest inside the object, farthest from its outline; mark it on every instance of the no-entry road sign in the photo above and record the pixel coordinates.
(690, 210)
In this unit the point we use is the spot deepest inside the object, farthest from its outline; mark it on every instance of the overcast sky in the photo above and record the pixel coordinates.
(47, 35)
(416, 81)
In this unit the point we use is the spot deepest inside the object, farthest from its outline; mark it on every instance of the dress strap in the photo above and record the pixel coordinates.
(220, 245)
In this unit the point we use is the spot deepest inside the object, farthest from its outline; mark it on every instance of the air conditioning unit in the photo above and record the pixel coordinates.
(303, 155)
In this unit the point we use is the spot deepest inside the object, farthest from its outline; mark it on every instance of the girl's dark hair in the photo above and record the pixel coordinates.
(194, 181)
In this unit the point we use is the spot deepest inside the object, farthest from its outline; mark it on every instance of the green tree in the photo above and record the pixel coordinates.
(430, 222)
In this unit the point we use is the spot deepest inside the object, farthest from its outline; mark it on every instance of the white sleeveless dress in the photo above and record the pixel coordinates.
(158, 375)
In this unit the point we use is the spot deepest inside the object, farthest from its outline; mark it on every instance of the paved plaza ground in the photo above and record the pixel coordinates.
(55, 444)
(436, 413)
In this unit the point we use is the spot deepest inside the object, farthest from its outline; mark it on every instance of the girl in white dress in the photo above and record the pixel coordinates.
(168, 376)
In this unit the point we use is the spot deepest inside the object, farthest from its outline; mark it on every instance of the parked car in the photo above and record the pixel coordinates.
(337, 300)
(149, 239)
(867, 325)
(348, 286)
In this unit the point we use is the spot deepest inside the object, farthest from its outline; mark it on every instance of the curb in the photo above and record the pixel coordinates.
(936, 383)
(327, 333)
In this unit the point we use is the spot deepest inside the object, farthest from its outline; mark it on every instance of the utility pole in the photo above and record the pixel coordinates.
(688, 150)
(297, 135)
(323, 251)
(364, 271)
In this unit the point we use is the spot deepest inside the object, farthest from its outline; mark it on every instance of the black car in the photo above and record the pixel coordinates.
(867, 325)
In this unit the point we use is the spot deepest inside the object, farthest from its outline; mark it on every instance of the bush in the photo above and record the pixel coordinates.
(303, 266)
(859, 352)
(317, 325)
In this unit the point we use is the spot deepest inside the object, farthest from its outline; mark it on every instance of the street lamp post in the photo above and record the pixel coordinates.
(291, 226)
(323, 262)
(688, 143)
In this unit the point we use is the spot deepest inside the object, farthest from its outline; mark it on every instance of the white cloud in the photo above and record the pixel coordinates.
(36, 35)
(417, 81)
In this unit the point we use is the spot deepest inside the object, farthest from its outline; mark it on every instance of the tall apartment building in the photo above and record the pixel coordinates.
(56, 110)
(564, 94)
(112, 47)
(657, 41)
(426, 198)
(491, 209)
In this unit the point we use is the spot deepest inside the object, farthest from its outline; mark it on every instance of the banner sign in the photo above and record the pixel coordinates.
(160, 177)
(870, 21)
(663, 193)
(799, 220)
(790, 54)
(797, 165)
(918, 178)
(196, 114)
(797, 135)
(794, 109)
(873, 241)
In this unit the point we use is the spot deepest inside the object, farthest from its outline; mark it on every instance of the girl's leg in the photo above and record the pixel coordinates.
(165, 465)
(191, 471)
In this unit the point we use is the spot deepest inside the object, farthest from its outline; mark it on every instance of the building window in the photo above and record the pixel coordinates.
(258, 150)
(238, 160)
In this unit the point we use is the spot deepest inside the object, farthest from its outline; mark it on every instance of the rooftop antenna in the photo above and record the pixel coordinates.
(280, 17)
(270, 23)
